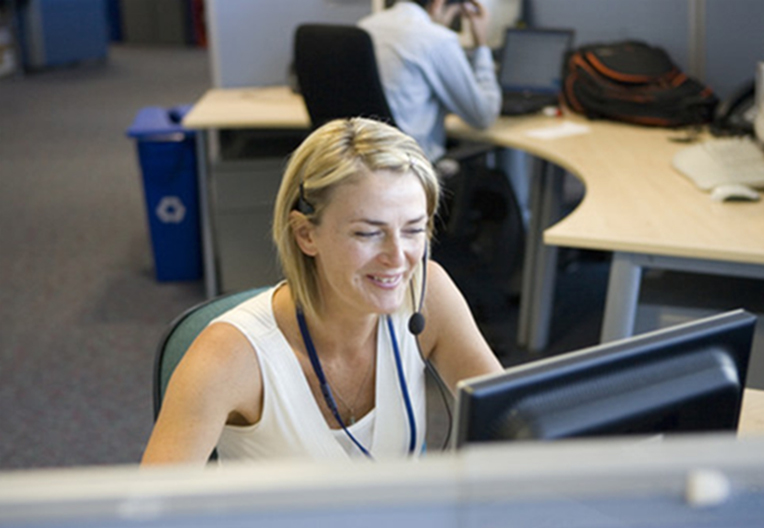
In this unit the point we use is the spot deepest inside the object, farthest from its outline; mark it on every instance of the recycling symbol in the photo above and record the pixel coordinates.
(171, 210)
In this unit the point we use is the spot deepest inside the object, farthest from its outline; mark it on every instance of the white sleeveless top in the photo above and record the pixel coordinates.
(292, 424)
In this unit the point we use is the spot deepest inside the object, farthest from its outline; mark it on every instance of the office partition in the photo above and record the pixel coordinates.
(718, 41)
(250, 41)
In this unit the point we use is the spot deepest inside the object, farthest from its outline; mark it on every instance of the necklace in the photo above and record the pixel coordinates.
(351, 408)
(327, 392)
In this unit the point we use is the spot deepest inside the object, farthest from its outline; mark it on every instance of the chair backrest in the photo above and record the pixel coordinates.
(337, 73)
(182, 332)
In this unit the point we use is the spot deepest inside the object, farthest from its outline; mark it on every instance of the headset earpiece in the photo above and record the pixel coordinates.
(303, 205)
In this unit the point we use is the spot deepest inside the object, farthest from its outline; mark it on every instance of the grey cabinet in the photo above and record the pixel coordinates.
(244, 184)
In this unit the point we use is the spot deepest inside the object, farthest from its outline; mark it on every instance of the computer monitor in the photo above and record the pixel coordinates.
(531, 59)
(687, 378)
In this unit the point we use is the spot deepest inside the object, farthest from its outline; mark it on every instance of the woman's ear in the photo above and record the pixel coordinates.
(304, 232)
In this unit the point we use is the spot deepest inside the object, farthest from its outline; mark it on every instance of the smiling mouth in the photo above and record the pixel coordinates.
(386, 281)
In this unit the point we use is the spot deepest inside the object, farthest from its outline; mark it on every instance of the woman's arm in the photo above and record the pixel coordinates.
(451, 339)
(217, 381)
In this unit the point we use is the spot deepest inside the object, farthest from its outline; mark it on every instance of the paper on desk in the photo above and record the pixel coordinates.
(566, 128)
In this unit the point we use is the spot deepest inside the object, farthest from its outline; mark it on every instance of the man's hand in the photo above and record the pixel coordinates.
(477, 15)
(442, 13)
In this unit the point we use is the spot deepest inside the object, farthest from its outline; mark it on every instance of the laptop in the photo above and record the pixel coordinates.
(530, 68)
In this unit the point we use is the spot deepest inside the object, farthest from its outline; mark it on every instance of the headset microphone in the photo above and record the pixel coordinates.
(416, 326)
(416, 321)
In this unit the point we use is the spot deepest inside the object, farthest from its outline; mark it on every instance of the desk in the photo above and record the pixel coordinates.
(635, 204)
(752, 413)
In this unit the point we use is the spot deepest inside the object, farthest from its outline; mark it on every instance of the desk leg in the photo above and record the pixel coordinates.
(540, 265)
(208, 244)
(625, 280)
(622, 297)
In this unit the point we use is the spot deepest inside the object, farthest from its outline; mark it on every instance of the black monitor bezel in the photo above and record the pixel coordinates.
(734, 328)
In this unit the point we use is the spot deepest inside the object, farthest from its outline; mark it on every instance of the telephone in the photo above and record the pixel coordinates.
(735, 116)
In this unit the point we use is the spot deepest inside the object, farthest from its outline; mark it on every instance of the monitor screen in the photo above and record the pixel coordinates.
(687, 378)
(531, 59)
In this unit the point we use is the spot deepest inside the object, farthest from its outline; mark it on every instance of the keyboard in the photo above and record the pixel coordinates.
(720, 161)
(514, 103)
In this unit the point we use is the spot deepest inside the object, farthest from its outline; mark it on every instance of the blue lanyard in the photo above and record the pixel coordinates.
(327, 392)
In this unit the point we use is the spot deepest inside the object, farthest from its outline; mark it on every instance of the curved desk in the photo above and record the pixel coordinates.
(635, 204)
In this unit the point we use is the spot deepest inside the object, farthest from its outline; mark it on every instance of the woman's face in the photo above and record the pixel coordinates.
(371, 236)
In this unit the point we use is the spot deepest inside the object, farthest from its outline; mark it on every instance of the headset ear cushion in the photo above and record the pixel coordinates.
(305, 207)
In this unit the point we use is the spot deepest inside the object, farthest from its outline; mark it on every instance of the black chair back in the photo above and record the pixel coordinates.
(337, 74)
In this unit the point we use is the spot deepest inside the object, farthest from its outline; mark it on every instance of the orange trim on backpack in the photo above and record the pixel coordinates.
(623, 77)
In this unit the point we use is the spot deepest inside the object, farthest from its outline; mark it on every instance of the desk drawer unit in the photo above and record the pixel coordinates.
(243, 195)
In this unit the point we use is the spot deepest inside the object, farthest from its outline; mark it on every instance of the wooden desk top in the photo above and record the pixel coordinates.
(635, 201)
(752, 413)
(266, 107)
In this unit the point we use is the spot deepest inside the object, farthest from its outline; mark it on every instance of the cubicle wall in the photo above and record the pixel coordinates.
(734, 42)
(251, 40)
(719, 41)
(678, 483)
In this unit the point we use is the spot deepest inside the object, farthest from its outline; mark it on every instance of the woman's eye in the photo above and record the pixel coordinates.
(367, 234)
(415, 231)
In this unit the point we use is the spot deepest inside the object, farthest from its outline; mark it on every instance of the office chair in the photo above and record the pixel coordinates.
(181, 333)
(337, 74)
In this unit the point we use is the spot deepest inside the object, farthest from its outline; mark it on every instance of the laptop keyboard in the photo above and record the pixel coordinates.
(517, 104)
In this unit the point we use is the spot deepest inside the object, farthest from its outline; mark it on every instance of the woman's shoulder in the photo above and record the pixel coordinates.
(223, 351)
(255, 325)
(439, 282)
(256, 310)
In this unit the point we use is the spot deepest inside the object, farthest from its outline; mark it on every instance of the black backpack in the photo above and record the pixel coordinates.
(634, 82)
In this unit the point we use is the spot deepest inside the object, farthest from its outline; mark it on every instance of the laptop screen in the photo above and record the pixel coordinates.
(531, 60)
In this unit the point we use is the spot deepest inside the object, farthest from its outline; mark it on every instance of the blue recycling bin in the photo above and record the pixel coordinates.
(167, 156)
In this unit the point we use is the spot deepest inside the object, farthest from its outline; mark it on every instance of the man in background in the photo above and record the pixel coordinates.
(425, 72)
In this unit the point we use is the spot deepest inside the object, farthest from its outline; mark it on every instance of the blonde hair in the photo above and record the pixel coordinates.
(333, 154)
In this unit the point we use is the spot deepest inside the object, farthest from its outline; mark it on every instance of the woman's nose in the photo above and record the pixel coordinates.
(394, 251)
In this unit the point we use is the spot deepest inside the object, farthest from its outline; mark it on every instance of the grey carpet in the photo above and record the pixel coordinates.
(81, 312)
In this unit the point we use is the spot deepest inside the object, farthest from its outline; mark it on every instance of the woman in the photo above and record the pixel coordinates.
(323, 364)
